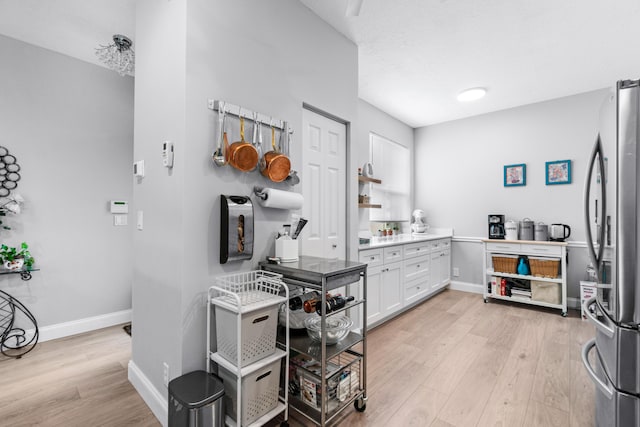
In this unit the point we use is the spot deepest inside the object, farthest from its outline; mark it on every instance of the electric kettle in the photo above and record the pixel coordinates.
(559, 232)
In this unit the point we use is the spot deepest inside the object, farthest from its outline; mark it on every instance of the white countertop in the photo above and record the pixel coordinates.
(400, 239)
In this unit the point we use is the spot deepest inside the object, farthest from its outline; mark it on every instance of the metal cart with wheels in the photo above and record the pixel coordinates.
(325, 379)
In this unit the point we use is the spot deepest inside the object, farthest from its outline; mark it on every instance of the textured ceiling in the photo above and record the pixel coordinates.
(415, 56)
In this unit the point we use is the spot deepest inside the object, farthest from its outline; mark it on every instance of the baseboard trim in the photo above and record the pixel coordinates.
(151, 396)
(79, 326)
(573, 303)
(466, 287)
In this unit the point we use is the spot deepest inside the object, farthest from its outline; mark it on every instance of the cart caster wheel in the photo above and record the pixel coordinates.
(360, 405)
(485, 301)
(564, 314)
(284, 424)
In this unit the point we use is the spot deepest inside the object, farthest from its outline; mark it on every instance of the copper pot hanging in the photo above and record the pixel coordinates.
(243, 155)
(275, 165)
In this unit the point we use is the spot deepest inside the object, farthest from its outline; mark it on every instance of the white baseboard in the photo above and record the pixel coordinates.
(573, 303)
(151, 396)
(79, 326)
(466, 287)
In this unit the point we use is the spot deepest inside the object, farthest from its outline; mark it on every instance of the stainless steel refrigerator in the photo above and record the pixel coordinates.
(611, 208)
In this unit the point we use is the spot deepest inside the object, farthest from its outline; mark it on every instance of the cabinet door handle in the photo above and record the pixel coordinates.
(372, 258)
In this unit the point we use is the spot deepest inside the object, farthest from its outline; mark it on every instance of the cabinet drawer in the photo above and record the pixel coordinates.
(546, 250)
(372, 257)
(415, 268)
(416, 249)
(392, 254)
(416, 291)
(503, 247)
(438, 245)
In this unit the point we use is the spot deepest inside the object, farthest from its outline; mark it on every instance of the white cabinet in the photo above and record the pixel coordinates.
(384, 282)
(374, 286)
(546, 283)
(391, 288)
(416, 278)
(400, 276)
(440, 264)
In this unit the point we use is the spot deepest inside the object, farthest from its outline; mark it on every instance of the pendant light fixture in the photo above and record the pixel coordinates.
(118, 56)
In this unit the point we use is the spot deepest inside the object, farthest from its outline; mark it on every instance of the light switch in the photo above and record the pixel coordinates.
(139, 223)
(120, 220)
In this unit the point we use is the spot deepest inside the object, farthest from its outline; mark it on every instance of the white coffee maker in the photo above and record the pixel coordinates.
(418, 224)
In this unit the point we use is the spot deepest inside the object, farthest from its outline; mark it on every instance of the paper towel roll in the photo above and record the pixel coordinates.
(279, 199)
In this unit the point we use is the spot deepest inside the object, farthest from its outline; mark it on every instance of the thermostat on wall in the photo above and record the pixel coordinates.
(138, 169)
(119, 207)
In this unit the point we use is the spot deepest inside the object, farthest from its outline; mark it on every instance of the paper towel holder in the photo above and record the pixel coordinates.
(259, 192)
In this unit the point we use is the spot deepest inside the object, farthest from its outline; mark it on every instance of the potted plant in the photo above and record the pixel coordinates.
(15, 258)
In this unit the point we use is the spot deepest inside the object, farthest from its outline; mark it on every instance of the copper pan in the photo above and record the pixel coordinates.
(242, 155)
(275, 165)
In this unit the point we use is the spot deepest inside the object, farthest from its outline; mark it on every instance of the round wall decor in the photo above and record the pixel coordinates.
(9, 175)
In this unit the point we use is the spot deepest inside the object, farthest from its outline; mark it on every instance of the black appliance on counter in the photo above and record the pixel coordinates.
(496, 227)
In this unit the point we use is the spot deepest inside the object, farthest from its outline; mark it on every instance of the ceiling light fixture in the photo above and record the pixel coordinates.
(472, 94)
(118, 56)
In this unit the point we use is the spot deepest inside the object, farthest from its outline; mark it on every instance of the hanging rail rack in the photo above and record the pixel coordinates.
(236, 110)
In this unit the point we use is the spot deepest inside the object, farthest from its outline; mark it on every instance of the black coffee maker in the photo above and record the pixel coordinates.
(496, 227)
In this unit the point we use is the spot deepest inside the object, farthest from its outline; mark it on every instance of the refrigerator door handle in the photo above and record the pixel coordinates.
(596, 153)
(591, 315)
(605, 388)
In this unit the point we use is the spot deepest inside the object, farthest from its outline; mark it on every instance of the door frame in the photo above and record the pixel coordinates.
(351, 250)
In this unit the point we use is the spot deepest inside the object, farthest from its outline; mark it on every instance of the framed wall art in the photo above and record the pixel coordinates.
(558, 172)
(515, 175)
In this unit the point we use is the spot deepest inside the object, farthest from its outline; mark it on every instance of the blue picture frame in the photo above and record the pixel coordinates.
(515, 175)
(557, 172)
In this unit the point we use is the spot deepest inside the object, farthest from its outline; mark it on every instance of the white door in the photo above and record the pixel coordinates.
(323, 179)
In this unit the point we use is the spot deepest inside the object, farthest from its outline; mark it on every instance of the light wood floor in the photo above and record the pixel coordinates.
(73, 381)
(452, 361)
(455, 361)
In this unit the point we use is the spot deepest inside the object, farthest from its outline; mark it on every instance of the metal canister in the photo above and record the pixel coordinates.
(541, 232)
(526, 229)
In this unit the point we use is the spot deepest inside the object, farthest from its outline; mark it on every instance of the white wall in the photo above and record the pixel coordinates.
(70, 125)
(371, 119)
(283, 56)
(459, 180)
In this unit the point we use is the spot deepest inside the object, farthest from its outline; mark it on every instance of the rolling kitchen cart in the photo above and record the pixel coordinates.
(546, 283)
(242, 317)
(330, 377)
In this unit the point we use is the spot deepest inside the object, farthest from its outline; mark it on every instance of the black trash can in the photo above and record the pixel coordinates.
(195, 400)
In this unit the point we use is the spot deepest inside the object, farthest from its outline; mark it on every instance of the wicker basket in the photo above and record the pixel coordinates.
(505, 263)
(545, 267)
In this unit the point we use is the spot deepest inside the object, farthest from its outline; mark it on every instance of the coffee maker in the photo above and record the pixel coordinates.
(496, 227)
